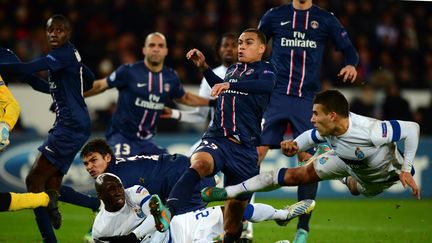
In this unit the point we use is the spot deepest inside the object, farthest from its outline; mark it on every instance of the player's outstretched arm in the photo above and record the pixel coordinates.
(193, 100)
(99, 86)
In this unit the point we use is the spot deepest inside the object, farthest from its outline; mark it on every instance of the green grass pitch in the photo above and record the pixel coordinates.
(365, 220)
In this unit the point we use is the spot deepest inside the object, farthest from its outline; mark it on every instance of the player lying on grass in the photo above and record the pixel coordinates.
(364, 153)
(126, 217)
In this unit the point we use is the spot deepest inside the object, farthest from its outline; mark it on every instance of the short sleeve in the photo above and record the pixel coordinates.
(139, 194)
(383, 132)
(119, 78)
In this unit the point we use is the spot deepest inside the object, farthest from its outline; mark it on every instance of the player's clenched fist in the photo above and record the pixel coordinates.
(289, 147)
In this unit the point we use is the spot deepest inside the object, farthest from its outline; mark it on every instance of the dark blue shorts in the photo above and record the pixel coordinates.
(125, 147)
(236, 161)
(281, 110)
(62, 145)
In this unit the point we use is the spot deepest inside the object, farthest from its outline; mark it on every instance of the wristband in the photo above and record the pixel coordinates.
(175, 114)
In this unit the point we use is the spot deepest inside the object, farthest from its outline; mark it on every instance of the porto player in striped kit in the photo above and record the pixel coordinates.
(299, 33)
(144, 88)
(229, 144)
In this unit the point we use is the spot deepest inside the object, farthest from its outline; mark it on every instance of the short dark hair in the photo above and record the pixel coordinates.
(333, 101)
(229, 35)
(260, 34)
(98, 145)
(61, 18)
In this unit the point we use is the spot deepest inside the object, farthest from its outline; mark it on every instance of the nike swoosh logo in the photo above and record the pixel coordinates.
(48, 149)
(140, 85)
(285, 23)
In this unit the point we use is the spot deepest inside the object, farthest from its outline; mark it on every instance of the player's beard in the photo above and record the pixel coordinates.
(154, 60)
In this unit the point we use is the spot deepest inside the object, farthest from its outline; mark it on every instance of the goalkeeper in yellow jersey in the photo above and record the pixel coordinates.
(9, 113)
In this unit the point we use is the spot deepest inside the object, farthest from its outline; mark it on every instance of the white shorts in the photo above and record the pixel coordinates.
(370, 181)
(198, 226)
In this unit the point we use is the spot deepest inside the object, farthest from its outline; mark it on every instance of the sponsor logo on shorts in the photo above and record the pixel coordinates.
(49, 149)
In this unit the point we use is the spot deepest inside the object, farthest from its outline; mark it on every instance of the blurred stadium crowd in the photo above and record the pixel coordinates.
(393, 38)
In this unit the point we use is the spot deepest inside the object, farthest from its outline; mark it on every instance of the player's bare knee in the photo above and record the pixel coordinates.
(203, 167)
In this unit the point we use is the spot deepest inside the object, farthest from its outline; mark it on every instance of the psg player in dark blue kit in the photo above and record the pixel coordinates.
(72, 126)
(144, 88)
(229, 144)
(157, 173)
(299, 33)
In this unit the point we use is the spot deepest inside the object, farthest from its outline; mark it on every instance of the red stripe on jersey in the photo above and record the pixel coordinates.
(294, 19)
(291, 71)
(245, 67)
(306, 20)
(234, 71)
(303, 73)
(153, 119)
(150, 80)
(233, 114)
(223, 115)
(160, 82)
(140, 127)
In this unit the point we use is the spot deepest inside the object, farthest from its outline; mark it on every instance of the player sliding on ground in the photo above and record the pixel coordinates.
(364, 153)
(125, 216)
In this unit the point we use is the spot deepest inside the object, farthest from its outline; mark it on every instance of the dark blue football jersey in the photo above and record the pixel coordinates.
(158, 174)
(238, 114)
(142, 97)
(66, 87)
(298, 41)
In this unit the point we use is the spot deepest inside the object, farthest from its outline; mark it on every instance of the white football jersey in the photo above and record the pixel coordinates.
(367, 147)
(128, 218)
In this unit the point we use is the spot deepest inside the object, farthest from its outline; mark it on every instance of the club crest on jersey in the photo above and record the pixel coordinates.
(249, 72)
(314, 24)
(323, 160)
(359, 154)
(139, 212)
(167, 87)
